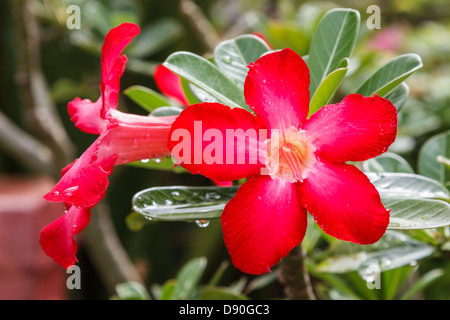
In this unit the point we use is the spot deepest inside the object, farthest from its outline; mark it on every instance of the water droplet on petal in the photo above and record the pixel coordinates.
(145, 160)
(157, 160)
(202, 223)
(55, 193)
(70, 191)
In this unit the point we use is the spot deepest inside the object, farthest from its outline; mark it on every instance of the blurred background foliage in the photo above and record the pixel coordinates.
(70, 63)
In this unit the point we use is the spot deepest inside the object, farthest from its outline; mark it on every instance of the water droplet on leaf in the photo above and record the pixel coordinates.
(202, 223)
(176, 195)
(227, 59)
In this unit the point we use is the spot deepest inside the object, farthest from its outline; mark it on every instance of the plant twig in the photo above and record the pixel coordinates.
(200, 24)
(294, 276)
(106, 251)
(31, 153)
(34, 87)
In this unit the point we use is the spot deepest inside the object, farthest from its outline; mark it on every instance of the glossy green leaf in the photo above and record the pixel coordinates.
(393, 250)
(233, 56)
(199, 94)
(413, 214)
(412, 198)
(328, 87)
(398, 96)
(182, 203)
(333, 41)
(387, 162)
(188, 278)
(207, 77)
(408, 186)
(146, 97)
(392, 74)
(434, 157)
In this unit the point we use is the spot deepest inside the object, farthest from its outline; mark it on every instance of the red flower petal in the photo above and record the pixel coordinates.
(356, 129)
(85, 181)
(135, 137)
(113, 64)
(129, 138)
(91, 116)
(57, 238)
(223, 183)
(263, 223)
(202, 140)
(344, 203)
(86, 115)
(276, 88)
(170, 84)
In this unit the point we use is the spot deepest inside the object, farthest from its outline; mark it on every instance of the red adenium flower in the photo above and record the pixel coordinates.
(300, 163)
(123, 138)
(169, 84)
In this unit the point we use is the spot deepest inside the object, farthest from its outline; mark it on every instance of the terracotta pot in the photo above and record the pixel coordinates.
(26, 273)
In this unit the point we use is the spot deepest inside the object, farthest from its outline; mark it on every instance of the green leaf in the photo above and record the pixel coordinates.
(387, 162)
(412, 214)
(398, 96)
(423, 282)
(188, 278)
(408, 186)
(411, 197)
(164, 164)
(190, 96)
(206, 76)
(328, 87)
(136, 221)
(131, 290)
(167, 289)
(392, 74)
(332, 42)
(432, 155)
(146, 97)
(166, 111)
(392, 251)
(179, 203)
(233, 56)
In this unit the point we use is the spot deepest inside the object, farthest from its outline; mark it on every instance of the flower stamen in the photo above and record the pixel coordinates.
(290, 154)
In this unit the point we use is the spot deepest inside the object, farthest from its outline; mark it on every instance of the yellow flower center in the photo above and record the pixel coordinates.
(290, 154)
